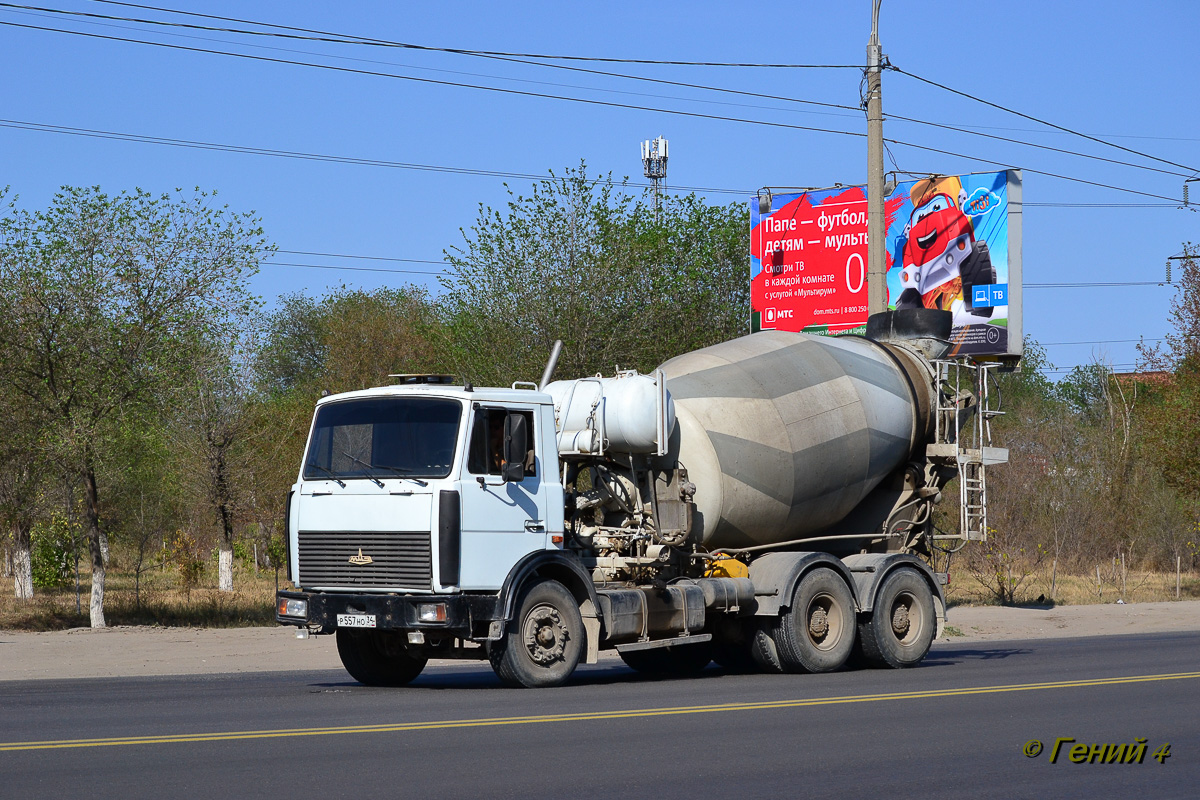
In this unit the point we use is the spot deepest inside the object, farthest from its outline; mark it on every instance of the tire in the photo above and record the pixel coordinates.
(764, 653)
(544, 641)
(378, 658)
(687, 659)
(816, 634)
(901, 628)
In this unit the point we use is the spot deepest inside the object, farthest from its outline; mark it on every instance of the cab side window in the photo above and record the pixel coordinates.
(486, 454)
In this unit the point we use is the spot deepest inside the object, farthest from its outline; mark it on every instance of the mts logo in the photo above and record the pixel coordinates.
(772, 315)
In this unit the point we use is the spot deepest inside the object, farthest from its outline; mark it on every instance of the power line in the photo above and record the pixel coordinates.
(340, 268)
(354, 160)
(368, 258)
(338, 38)
(588, 101)
(1091, 285)
(95, 133)
(1063, 370)
(1038, 172)
(495, 53)
(499, 89)
(1089, 137)
(1102, 135)
(35, 11)
(1100, 341)
(1078, 285)
(1035, 145)
(1100, 205)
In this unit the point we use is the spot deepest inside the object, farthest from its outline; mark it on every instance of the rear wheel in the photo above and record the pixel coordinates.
(816, 634)
(544, 641)
(687, 659)
(900, 631)
(378, 658)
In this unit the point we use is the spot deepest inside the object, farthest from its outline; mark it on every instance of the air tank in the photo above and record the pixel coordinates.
(784, 434)
(630, 413)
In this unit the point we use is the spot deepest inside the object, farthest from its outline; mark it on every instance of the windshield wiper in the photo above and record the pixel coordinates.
(358, 460)
(403, 473)
(328, 472)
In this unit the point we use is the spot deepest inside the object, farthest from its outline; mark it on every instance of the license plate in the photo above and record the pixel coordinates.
(356, 620)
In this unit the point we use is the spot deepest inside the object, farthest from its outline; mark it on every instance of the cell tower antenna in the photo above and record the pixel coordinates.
(654, 166)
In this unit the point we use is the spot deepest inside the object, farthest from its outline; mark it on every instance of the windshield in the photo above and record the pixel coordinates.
(383, 437)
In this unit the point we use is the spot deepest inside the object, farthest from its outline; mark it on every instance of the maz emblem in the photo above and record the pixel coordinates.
(360, 559)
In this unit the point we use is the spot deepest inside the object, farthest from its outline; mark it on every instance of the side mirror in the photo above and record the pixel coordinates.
(516, 446)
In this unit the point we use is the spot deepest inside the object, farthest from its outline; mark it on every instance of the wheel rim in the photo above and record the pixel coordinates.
(906, 623)
(545, 635)
(823, 622)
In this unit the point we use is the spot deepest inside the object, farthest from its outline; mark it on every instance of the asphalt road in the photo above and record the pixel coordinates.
(955, 727)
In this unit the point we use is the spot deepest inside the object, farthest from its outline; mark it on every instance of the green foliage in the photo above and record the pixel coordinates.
(277, 552)
(1028, 390)
(107, 297)
(188, 558)
(52, 548)
(582, 261)
(107, 301)
(1173, 428)
(243, 553)
(349, 339)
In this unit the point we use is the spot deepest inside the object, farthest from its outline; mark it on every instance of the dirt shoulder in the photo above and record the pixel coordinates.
(137, 651)
(988, 623)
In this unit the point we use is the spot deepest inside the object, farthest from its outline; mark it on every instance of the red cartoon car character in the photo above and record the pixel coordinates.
(940, 261)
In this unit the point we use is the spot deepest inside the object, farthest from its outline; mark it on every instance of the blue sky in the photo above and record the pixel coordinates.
(1119, 71)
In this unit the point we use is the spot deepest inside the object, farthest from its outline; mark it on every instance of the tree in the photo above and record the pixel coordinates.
(215, 429)
(1183, 342)
(349, 339)
(1173, 422)
(23, 469)
(106, 300)
(585, 262)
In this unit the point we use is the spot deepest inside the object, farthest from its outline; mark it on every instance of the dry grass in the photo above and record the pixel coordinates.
(1076, 590)
(162, 600)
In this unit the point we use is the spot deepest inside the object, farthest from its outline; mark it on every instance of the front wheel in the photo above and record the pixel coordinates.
(378, 658)
(544, 641)
(900, 631)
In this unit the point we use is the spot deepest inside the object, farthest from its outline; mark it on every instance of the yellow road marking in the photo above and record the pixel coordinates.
(582, 716)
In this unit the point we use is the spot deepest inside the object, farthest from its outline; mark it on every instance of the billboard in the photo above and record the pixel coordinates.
(951, 242)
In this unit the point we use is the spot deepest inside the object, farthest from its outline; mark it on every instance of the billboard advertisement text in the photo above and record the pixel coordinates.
(951, 243)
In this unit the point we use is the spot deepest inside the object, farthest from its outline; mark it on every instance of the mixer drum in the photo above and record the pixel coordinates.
(784, 434)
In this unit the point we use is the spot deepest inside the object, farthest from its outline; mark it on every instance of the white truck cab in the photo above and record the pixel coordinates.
(386, 467)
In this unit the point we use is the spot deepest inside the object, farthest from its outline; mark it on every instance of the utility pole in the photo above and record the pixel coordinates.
(877, 294)
(654, 165)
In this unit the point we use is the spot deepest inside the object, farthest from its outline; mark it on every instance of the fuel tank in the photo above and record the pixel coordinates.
(784, 434)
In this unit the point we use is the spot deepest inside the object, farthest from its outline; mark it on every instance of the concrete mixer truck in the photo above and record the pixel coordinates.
(765, 503)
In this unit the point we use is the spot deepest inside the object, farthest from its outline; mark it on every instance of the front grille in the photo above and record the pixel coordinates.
(399, 559)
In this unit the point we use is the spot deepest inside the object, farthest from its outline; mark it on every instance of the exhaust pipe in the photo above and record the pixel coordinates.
(550, 365)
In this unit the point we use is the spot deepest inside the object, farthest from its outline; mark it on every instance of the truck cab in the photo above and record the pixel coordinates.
(383, 539)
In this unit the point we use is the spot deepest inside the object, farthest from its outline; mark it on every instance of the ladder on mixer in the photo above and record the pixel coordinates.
(964, 434)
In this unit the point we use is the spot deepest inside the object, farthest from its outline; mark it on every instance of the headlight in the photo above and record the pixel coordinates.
(289, 607)
(431, 612)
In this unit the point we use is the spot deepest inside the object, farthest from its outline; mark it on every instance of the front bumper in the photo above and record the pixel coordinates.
(468, 616)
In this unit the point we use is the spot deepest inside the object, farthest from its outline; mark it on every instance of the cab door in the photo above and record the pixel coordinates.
(502, 521)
